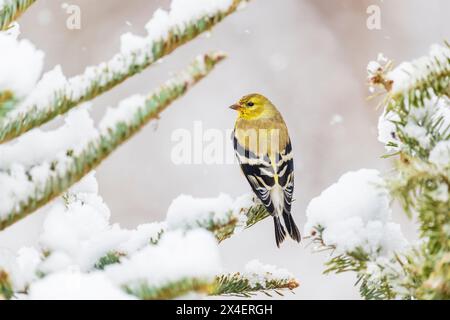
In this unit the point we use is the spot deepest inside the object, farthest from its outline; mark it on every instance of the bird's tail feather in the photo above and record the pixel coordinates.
(280, 233)
(291, 226)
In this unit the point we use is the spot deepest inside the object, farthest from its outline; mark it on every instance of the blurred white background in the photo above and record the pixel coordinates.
(309, 57)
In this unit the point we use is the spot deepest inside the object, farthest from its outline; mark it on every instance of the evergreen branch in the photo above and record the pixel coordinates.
(77, 165)
(171, 290)
(371, 287)
(111, 257)
(238, 284)
(222, 230)
(425, 76)
(11, 11)
(6, 289)
(99, 79)
(417, 106)
(254, 214)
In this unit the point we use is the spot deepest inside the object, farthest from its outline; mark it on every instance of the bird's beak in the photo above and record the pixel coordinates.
(235, 106)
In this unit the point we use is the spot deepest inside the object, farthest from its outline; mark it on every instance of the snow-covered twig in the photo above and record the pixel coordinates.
(223, 216)
(157, 260)
(10, 10)
(256, 277)
(166, 32)
(353, 219)
(410, 83)
(27, 189)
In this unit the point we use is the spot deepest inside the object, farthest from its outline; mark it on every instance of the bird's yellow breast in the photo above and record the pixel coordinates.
(263, 137)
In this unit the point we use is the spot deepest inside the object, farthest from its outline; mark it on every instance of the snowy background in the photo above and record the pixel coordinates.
(309, 57)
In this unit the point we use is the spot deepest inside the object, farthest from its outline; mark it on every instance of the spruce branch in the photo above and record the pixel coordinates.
(77, 165)
(6, 289)
(225, 230)
(171, 290)
(11, 11)
(238, 284)
(416, 105)
(103, 77)
(222, 230)
(411, 83)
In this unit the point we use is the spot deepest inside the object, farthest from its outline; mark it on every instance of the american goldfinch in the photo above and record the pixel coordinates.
(263, 149)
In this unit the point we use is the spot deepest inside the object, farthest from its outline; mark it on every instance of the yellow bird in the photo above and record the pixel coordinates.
(263, 149)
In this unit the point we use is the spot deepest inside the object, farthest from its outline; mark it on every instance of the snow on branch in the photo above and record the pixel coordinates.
(352, 218)
(10, 10)
(257, 277)
(223, 216)
(20, 68)
(412, 82)
(55, 94)
(160, 260)
(181, 263)
(46, 173)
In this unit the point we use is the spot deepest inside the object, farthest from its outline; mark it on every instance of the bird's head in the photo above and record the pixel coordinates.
(254, 106)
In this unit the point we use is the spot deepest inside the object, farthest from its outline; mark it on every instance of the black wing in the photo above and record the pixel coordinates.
(259, 173)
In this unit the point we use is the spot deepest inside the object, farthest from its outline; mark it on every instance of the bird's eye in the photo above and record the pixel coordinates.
(250, 104)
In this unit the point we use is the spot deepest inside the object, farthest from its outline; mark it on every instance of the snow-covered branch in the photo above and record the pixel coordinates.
(10, 10)
(410, 83)
(158, 260)
(352, 219)
(256, 277)
(166, 31)
(416, 125)
(223, 216)
(76, 148)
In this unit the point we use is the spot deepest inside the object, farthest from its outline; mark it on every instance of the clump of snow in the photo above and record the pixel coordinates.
(28, 259)
(21, 267)
(15, 187)
(88, 184)
(181, 13)
(387, 130)
(418, 133)
(13, 30)
(440, 154)
(141, 237)
(124, 113)
(8, 265)
(78, 232)
(416, 123)
(20, 65)
(27, 163)
(73, 285)
(259, 274)
(188, 212)
(184, 11)
(78, 229)
(178, 255)
(51, 86)
(130, 42)
(38, 146)
(407, 74)
(159, 25)
(355, 213)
